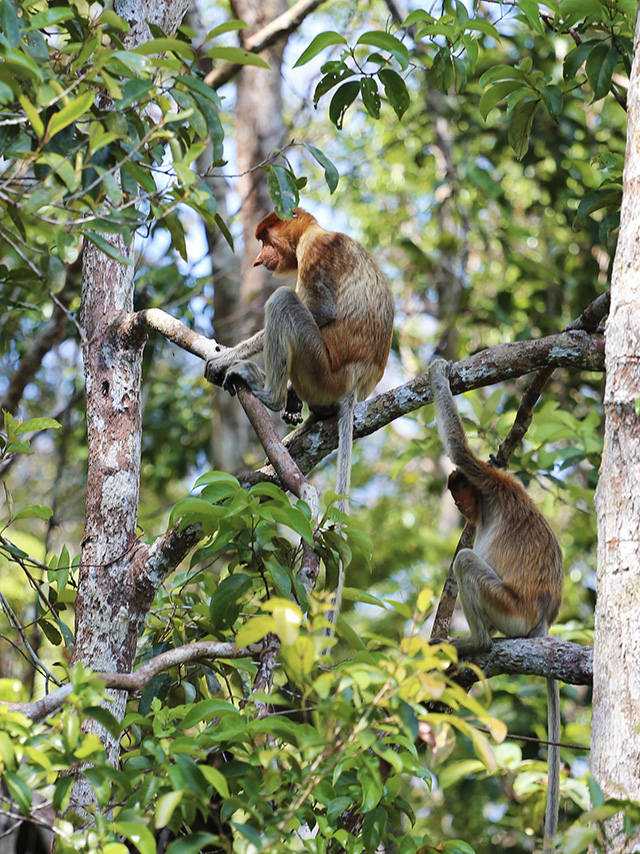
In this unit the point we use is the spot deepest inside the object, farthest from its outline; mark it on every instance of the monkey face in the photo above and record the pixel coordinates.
(267, 256)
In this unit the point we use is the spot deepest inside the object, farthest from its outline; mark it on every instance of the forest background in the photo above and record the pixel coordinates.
(478, 153)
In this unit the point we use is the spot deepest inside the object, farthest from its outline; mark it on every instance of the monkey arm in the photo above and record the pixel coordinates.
(216, 369)
(320, 298)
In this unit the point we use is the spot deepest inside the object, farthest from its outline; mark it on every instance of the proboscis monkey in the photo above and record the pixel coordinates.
(330, 337)
(512, 579)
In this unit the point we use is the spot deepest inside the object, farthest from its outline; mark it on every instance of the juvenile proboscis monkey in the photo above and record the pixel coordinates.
(330, 337)
(512, 579)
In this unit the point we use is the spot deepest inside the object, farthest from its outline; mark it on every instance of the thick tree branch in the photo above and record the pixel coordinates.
(138, 679)
(279, 28)
(568, 662)
(315, 439)
(157, 320)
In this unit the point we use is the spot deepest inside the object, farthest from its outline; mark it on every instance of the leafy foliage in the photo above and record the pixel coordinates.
(482, 248)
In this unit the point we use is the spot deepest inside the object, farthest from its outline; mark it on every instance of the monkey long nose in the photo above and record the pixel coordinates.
(257, 261)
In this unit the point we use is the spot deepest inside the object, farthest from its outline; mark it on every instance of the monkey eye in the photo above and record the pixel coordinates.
(294, 215)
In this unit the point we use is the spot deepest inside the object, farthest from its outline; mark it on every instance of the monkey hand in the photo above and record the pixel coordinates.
(216, 369)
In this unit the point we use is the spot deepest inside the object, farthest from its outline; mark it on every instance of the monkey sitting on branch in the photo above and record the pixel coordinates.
(512, 579)
(330, 337)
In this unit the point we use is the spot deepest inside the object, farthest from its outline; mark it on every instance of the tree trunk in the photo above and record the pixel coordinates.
(109, 608)
(239, 309)
(259, 131)
(615, 754)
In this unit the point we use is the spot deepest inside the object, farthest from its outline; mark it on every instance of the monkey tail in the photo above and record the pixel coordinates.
(345, 446)
(553, 765)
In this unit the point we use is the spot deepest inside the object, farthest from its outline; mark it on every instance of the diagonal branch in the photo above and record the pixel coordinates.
(282, 26)
(138, 679)
(315, 439)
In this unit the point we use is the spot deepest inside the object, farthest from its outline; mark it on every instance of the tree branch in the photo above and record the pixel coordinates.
(282, 26)
(157, 320)
(315, 439)
(568, 662)
(138, 679)
(288, 473)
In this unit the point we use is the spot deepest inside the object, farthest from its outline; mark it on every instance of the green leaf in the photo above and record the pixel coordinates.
(342, 100)
(165, 807)
(69, 113)
(226, 27)
(292, 518)
(576, 57)
(222, 225)
(600, 66)
(348, 634)
(254, 630)
(173, 224)
(164, 45)
(134, 91)
(18, 791)
(370, 96)
(108, 249)
(106, 719)
(385, 41)
(224, 607)
(497, 92)
(34, 511)
(193, 844)
(9, 22)
(501, 72)
(395, 90)
(207, 709)
(138, 834)
(217, 780)
(35, 424)
(594, 200)
(33, 115)
(373, 827)
(520, 127)
(281, 578)
(319, 43)
(49, 18)
(218, 477)
(484, 27)
(237, 55)
(331, 174)
(201, 88)
(62, 793)
(531, 14)
(283, 191)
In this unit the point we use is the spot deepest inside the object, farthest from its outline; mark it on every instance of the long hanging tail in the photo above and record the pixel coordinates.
(553, 765)
(345, 446)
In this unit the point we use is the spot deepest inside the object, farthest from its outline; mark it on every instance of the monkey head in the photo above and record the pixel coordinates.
(280, 240)
(465, 495)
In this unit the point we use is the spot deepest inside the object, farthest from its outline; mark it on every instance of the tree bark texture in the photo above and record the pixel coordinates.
(615, 754)
(259, 131)
(109, 607)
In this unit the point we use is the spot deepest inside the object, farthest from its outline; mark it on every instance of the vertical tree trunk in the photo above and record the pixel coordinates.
(615, 754)
(259, 130)
(239, 313)
(108, 607)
